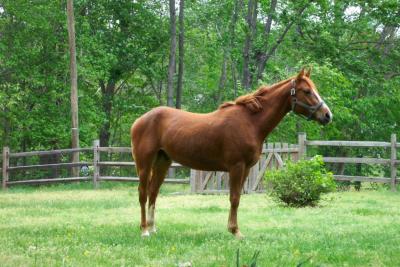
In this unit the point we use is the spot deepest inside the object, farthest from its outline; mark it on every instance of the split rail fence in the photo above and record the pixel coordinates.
(273, 157)
(96, 165)
(391, 162)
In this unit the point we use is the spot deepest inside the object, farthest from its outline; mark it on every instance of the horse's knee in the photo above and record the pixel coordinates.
(235, 201)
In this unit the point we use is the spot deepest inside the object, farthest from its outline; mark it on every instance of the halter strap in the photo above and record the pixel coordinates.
(311, 109)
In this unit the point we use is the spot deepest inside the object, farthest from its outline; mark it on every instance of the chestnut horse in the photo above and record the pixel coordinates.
(229, 139)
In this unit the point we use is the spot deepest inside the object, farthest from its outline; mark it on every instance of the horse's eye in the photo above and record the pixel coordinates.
(308, 92)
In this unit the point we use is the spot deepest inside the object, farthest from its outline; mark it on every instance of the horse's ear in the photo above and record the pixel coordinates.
(308, 73)
(301, 73)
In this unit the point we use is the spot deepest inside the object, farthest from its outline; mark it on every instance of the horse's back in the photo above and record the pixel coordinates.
(152, 124)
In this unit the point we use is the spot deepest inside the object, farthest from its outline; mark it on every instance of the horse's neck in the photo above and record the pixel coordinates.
(276, 104)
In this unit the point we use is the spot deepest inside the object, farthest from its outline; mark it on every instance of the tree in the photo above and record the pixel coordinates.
(120, 45)
(172, 53)
(181, 54)
(74, 83)
(261, 56)
(123, 48)
(251, 19)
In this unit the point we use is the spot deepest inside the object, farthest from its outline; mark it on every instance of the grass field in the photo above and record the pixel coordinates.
(77, 226)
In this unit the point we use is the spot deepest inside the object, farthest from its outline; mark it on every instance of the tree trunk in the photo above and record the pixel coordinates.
(107, 104)
(237, 6)
(261, 55)
(6, 127)
(181, 54)
(386, 38)
(234, 79)
(251, 19)
(222, 78)
(172, 51)
(74, 84)
(265, 56)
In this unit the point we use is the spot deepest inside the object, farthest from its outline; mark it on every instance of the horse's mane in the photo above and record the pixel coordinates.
(252, 101)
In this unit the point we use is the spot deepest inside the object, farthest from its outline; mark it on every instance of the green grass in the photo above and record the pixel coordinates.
(73, 225)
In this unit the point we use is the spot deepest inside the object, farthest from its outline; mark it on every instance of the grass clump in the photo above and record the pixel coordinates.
(300, 183)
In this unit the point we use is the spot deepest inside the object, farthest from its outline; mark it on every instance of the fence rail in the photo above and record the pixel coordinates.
(97, 164)
(273, 156)
(348, 143)
(355, 160)
(50, 180)
(392, 162)
(52, 152)
(362, 179)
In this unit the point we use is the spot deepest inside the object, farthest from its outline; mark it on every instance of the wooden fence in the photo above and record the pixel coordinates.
(96, 164)
(391, 162)
(7, 170)
(273, 156)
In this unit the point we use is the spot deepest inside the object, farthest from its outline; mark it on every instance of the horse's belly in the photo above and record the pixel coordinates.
(199, 164)
(200, 158)
(197, 159)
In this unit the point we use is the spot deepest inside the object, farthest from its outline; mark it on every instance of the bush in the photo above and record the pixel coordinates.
(302, 183)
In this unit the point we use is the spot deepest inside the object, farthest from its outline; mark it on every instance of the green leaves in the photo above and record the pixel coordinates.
(302, 183)
(353, 47)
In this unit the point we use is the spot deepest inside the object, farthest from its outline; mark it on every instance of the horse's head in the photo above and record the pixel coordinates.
(306, 101)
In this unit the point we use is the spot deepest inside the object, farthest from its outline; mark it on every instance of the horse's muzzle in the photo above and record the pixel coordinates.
(326, 118)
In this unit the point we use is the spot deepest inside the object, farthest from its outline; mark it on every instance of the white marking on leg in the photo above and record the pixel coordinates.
(145, 233)
(238, 235)
(153, 229)
(151, 220)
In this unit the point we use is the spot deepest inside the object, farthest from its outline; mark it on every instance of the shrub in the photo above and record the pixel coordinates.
(300, 184)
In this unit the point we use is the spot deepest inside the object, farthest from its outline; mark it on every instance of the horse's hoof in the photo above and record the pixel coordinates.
(238, 235)
(145, 234)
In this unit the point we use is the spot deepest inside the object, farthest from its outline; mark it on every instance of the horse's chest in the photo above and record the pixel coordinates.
(249, 153)
(253, 158)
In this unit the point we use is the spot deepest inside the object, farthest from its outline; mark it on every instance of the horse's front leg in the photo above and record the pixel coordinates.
(237, 176)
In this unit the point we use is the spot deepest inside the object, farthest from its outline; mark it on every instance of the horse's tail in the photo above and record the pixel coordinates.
(131, 132)
(133, 148)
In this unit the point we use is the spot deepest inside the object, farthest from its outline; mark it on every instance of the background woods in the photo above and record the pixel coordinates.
(124, 55)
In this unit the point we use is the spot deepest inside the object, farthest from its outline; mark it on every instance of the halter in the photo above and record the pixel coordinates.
(311, 109)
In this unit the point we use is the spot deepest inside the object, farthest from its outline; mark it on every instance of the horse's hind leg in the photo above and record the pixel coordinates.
(144, 174)
(159, 170)
(144, 163)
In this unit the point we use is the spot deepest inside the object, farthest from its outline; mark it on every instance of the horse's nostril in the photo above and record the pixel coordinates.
(328, 116)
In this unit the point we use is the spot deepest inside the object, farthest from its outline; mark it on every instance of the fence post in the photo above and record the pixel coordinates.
(192, 181)
(302, 145)
(171, 172)
(393, 156)
(6, 164)
(96, 159)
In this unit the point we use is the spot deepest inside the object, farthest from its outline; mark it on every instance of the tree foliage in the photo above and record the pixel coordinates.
(123, 51)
